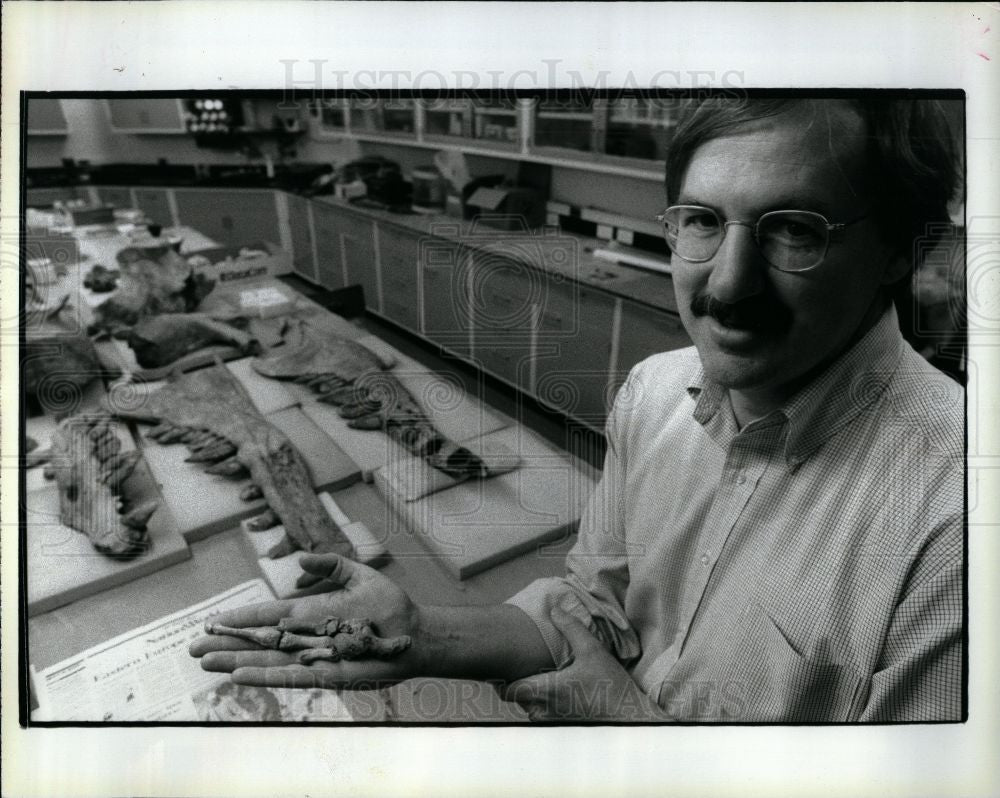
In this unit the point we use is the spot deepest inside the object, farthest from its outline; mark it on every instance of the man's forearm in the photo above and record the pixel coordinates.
(492, 643)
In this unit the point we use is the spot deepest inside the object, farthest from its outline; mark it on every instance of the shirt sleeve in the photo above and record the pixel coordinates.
(596, 580)
(920, 674)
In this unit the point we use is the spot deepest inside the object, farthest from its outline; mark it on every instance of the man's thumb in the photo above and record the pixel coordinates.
(577, 635)
(330, 567)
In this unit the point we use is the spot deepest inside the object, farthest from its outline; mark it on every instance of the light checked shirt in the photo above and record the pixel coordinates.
(808, 567)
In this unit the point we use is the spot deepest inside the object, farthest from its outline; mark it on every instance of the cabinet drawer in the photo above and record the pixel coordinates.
(573, 354)
(357, 243)
(401, 310)
(301, 238)
(447, 318)
(503, 295)
(509, 362)
(646, 331)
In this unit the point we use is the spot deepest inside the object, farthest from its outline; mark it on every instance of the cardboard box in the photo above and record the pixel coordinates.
(246, 262)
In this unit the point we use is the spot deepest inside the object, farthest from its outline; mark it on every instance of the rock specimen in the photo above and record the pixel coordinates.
(210, 413)
(160, 340)
(91, 470)
(329, 639)
(346, 374)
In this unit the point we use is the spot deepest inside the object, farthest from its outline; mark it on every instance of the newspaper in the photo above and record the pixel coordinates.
(147, 675)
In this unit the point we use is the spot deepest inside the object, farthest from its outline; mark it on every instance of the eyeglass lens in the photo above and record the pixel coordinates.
(788, 240)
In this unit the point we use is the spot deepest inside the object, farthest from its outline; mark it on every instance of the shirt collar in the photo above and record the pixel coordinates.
(824, 406)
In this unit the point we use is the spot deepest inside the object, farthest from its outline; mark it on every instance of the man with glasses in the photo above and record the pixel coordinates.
(777, 535)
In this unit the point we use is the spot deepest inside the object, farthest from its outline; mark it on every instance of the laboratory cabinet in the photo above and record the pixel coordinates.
(117, 196)
(504, 297)
(573, 350)
(46, 117)
(345, 252)
(645, 331)
(44, 197)
(146, 115)
(301, 236)
(445, 277)
(233, 217)
(398, 251)
(155, 205)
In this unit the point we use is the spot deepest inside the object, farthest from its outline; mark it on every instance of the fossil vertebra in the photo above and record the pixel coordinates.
(329, 639)
(346, 374)
(90, 469)
(160, 340)
(210, 413)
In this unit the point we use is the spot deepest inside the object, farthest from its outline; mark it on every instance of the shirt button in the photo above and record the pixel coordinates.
(705, 559)
(741, 478)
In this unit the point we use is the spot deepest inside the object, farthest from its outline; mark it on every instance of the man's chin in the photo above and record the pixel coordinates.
(739, 367)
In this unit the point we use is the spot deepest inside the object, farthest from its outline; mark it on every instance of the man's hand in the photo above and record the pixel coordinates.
(593, 686)
(357, 591)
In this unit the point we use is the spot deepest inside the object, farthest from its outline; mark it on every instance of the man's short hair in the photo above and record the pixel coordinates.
(911, 157)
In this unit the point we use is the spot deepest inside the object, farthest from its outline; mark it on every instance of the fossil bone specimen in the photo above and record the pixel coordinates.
(148, 288)
(58, 358)
(346, 374)
(160, 340)
(329, 639)
(90, 469)
(211, 413)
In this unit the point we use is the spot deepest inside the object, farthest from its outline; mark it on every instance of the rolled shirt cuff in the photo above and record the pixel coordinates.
(538, 600)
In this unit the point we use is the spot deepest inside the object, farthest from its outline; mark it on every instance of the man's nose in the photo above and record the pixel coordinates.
(737, 268)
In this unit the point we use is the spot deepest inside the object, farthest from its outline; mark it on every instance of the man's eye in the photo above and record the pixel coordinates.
(797, 230)
(701, 222)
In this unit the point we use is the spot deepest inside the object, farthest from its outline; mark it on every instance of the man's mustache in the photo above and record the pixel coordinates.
(754, 313)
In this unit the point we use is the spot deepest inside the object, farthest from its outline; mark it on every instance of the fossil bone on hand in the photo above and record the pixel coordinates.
(329, 639)
(347, 374)
(212, 414)
(91, 470)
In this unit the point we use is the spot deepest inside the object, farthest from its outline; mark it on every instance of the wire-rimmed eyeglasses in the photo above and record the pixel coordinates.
(790, 241)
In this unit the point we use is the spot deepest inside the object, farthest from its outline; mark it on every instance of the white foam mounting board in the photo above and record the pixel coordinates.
(282, 573)
(63, 565)
(205, 504)
(268, 395)
(480, 523)
(456, 414)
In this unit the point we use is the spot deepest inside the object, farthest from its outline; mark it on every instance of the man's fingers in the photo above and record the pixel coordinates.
(267, 613)
(347, 675)
(301, 676)
(209, 643)
(530, 690)
(332, 568)
(229, 661)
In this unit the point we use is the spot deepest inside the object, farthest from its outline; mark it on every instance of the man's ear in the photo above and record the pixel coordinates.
(896, 268)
